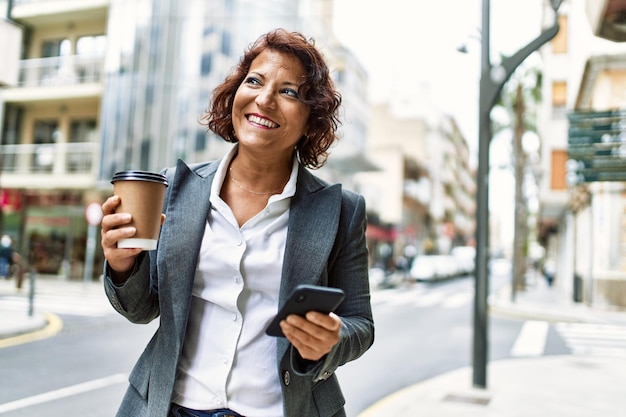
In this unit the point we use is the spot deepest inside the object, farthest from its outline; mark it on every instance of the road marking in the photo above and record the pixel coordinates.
(457, 300)
(532, 339)
(54, 326)
(85, 306)
(429, 299)
(63, 392)
(594, 339)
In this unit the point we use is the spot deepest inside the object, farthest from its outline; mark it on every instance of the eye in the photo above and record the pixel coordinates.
(252, 80)
(290, 92)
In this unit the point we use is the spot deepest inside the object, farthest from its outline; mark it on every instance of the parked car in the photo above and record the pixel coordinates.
(434, 267)
(465, 257)
(423, 268)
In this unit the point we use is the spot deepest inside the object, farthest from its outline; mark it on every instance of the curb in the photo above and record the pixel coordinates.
(50, 326)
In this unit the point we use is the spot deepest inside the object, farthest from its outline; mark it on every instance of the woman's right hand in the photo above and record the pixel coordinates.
(121, 261)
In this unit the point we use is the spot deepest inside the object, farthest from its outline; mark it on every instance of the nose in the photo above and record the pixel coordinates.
(265, 98)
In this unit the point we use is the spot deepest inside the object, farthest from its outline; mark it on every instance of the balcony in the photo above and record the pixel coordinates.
(49, 165)
(60, 70)
(56, 78)
(52, 12)
(607, 18)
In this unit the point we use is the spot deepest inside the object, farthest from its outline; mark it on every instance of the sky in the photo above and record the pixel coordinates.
(406, 44)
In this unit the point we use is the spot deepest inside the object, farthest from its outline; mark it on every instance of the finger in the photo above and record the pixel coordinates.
(110, 205)
(330, 321)
(306, 345)
(311, 340)
(112, 236)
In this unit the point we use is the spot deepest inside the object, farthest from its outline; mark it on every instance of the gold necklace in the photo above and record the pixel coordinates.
(240, 185)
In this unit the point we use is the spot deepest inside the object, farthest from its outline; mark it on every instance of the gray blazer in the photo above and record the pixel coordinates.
(325, 246)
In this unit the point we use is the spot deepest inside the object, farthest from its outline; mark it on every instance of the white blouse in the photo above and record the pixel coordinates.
(228, 361)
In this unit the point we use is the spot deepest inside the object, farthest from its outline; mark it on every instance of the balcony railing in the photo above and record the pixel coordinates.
(60, 70)
(56, 158)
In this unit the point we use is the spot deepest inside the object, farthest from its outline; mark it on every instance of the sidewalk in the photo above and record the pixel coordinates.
(570, 385)
(19, 325)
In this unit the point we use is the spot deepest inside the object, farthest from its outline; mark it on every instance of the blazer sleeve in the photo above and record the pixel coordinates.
(135, 299)
(138, 298)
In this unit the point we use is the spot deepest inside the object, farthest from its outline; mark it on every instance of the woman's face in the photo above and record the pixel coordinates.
(268, 114)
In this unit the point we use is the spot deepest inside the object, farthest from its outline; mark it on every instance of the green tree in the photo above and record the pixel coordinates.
(519, 99)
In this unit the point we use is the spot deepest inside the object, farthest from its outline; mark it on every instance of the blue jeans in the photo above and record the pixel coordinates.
(180, 411)
(4, 268)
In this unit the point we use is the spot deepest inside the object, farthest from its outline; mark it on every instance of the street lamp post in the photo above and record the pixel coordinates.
(492, 79)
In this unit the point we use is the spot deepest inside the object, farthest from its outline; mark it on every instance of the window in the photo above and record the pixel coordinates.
(57, 47)
(558, 159)
(559, 94)
(54, 50)
(45, 134)
(82, 130)
(226, 43)
(201, 140)
(206, 63)
(80, 157)
(559, 42)
(91, 45)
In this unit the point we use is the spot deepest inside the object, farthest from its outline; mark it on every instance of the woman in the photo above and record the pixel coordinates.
(240, 234)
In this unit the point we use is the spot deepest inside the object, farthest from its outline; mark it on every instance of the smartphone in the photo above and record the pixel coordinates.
(306, 298)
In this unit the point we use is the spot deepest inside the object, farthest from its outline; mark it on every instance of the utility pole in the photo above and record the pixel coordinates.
(492, 79)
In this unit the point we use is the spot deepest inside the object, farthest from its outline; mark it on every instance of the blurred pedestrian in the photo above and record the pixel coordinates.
(239, 234)
(549, 271)
(6, 256)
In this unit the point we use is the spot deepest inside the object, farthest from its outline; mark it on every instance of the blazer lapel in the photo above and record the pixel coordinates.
(186, 215)
(313, 222)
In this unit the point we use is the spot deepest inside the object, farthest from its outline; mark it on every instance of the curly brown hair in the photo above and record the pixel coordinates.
(317, 91)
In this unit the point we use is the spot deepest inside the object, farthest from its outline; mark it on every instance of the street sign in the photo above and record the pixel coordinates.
(93, 214)
(596, 146)
(594, 176)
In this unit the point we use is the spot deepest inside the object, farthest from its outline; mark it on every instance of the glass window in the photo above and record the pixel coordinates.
(82, 130)
(559, 42)
(557, 179)
(46, 133)
(57, 47)
(91, 45)
(559, 94)
(205, 67)
(226, 40)
(201, 140)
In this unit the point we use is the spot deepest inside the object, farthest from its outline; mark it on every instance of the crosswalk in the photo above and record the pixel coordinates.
(59, 298)
(419, 298)
(579, 338)
(594, 339)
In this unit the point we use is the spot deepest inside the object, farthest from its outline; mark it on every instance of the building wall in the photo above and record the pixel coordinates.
(585, 239)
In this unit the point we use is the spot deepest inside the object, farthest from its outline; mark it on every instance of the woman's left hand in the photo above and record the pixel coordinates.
(314, 335)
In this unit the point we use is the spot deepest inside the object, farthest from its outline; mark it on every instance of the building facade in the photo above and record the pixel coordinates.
(580, 221)
(109, 85)
(423, 195)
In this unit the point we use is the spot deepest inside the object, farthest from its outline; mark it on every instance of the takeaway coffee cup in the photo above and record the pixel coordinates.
(141, 194)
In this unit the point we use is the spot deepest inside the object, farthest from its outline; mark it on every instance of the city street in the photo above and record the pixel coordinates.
(422, 330)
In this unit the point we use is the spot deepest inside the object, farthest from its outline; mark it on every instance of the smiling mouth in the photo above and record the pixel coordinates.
(261, 121)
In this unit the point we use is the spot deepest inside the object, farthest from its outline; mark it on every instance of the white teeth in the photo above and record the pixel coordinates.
(260, 121)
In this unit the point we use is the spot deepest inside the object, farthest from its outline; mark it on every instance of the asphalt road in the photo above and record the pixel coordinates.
(422, 330)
